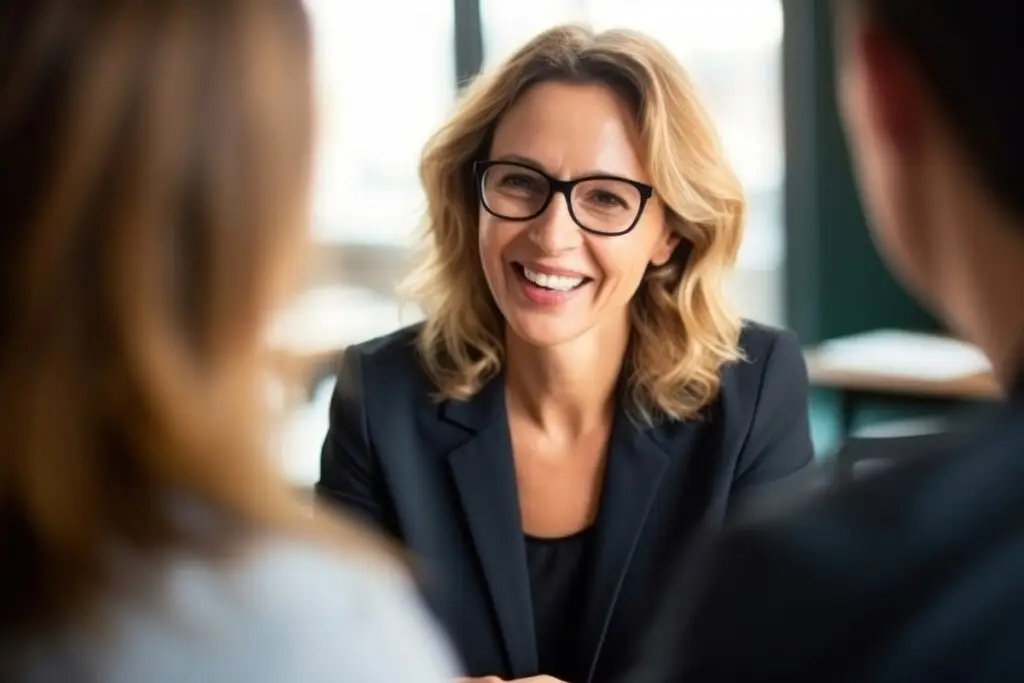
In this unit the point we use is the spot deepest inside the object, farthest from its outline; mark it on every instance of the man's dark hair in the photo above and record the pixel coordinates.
(969, 52)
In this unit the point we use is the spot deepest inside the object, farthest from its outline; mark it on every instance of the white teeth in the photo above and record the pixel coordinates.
(560, 283)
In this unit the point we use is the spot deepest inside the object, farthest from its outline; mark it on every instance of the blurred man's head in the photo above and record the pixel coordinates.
(935, 115)
(155, 160)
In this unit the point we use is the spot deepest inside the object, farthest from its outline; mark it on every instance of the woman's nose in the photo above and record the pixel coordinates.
(554, 230)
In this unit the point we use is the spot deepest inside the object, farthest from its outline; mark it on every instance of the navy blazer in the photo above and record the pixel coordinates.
(440, 477)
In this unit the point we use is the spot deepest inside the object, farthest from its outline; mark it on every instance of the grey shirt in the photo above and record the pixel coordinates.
(288, 612)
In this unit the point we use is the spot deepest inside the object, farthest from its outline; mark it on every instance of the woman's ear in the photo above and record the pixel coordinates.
(665, 247)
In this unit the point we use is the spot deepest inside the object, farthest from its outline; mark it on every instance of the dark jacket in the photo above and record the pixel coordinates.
(440, 477)
(915, 575)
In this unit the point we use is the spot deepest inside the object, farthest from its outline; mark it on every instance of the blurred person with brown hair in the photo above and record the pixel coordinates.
(154, 179)
(581, 397)
(915, 575)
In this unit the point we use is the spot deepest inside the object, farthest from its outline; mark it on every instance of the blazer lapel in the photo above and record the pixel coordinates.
(633, 473)
(484, 475)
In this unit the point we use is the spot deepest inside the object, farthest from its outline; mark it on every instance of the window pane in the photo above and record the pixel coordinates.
(507, 25)
(386, 80)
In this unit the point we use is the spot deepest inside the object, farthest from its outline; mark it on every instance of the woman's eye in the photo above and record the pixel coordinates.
(608, 199)
(519, 182)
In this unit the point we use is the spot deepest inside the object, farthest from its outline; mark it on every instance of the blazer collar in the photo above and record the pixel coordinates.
(634, 471)
(485, 478)
(484, 475)
(480, 410)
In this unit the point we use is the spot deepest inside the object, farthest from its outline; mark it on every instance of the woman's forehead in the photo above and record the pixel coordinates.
(570, 130)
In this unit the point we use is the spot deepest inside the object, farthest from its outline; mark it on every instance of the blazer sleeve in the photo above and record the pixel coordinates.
(779, 442)
(350, 474)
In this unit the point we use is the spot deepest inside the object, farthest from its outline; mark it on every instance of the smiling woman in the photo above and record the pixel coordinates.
(599, 240)
(682, 329)
(579, 399)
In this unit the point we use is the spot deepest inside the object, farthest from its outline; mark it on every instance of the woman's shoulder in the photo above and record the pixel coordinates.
(347, 613)
(758, 341)
(771, 355)
(391, 360)
(331, 616)
(397, 346)
(282, 610)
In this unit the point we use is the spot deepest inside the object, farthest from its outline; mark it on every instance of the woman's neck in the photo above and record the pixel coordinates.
(568, 388)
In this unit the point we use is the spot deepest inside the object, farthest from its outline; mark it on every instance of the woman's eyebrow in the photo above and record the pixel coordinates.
(533, 163)
(520, 159)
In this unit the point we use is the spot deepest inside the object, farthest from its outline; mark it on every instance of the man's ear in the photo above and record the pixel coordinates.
(885, 85)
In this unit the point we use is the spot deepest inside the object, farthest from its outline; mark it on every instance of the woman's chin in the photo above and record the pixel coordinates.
(544, 331)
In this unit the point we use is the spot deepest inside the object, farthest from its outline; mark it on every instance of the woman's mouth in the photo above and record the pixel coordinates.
(549, 281)
(548, 289)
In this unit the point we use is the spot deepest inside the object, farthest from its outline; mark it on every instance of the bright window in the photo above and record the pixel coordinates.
(386, 82)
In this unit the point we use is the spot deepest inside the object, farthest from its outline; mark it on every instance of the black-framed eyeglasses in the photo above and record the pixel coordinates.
(601, 204)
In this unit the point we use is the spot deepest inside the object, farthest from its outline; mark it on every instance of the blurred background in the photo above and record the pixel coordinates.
(389, 73)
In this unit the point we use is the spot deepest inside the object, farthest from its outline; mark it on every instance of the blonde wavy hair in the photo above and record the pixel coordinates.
(154, 168)
(683, 332)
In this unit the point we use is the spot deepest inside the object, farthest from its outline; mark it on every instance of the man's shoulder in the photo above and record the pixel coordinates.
(917, 508)
(874, 571)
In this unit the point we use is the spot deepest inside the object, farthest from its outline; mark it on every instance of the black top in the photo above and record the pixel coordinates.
(440, 478)
(915, 575)
(558, 579)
